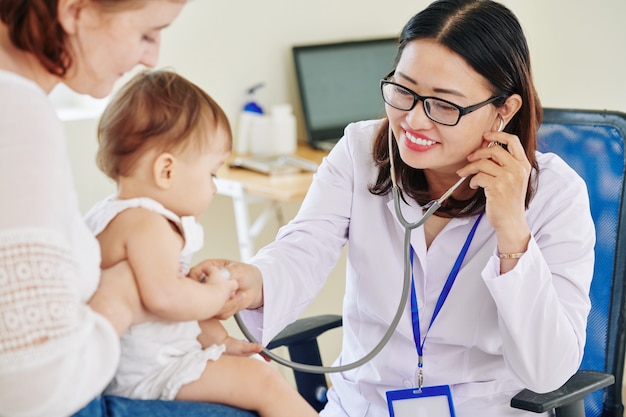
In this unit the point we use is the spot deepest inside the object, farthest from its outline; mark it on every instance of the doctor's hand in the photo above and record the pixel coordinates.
(249, 294)
(503, 174)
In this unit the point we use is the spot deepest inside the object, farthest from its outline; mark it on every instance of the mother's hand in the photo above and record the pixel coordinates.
(117, 298)
(250, 292)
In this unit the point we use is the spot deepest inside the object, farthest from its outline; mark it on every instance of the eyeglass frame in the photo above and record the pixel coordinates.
(417, 98)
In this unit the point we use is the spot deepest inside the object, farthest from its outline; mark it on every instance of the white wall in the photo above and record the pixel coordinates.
(576, 45)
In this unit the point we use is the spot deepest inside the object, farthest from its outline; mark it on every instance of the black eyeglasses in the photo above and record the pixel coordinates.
(438, 110)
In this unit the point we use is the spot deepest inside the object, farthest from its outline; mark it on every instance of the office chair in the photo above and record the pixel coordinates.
(592, 143)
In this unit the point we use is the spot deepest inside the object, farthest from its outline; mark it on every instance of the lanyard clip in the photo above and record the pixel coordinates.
(420, 373)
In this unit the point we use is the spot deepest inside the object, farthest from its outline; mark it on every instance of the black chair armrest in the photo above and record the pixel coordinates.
(305, 329)
(300, 338)
(575, 389)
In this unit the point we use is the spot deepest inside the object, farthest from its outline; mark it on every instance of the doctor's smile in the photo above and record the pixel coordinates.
(417, 142)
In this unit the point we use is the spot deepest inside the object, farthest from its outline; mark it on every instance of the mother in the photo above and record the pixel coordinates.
(59, 343)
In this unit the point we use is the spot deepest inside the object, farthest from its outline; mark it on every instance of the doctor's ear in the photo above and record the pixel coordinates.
(506, 112)
(163, 170)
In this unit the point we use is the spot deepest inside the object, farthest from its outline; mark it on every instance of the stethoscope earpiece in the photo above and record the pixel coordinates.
(501, 125)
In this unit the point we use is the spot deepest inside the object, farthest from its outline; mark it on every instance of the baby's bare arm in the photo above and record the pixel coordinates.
(214, 333)
(152, 247)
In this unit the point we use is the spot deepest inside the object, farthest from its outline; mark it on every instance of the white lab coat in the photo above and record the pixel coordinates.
(494, 335)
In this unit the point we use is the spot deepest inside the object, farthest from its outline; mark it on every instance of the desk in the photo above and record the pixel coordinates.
(246, 187)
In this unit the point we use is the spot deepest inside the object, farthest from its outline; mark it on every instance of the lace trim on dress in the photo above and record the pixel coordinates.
(38, 296)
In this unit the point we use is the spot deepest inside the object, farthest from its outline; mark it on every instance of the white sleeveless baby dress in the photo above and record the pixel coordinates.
(158, 358)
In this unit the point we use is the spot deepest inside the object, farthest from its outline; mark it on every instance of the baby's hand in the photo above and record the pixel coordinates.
(237, 347)
(220, 280)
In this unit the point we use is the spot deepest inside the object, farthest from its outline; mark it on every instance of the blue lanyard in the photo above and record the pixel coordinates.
(419, 343)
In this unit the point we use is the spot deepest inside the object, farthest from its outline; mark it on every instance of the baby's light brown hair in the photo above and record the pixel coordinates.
(157, 109)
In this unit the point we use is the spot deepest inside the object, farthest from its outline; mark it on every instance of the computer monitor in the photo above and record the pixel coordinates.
(339, 84)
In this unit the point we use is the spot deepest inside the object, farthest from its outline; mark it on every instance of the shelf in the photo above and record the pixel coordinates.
(71, 106)
(78, 113)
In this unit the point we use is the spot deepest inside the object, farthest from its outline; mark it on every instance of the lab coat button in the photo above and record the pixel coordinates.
(407, 383)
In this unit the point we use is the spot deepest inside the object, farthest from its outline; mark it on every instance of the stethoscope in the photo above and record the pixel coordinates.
(430, 208)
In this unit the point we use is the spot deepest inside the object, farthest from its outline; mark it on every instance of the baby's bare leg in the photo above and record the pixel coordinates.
(247, 383)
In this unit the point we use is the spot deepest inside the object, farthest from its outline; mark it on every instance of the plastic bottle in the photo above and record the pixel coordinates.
(260, 136)
(250, 112)
(284, 130)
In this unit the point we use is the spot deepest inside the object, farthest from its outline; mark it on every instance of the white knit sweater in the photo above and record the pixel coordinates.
(56, 354)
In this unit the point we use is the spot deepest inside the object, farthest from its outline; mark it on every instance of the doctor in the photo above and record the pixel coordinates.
(515, 313)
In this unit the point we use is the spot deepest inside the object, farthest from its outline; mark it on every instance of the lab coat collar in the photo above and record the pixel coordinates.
(412, 212)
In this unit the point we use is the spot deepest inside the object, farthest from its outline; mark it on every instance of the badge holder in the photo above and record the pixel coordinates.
(425, 402)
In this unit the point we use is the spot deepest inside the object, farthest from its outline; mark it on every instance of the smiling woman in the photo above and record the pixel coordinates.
(59, 344)
(500, 284)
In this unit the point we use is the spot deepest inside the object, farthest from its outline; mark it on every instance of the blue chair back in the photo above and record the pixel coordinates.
(592, 142)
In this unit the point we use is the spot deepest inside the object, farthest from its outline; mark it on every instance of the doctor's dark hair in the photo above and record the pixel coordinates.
(158, 110)
(33, 26)
(490, 39)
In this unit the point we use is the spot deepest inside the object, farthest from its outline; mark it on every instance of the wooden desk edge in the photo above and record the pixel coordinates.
(283, 188)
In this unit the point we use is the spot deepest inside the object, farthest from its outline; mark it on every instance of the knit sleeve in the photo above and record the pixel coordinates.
(56, 354)
(37, 301)
(53, 348)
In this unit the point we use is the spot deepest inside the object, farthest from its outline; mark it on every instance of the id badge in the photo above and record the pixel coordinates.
(426, 402)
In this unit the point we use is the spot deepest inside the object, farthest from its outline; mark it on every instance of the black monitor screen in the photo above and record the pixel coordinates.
(339, 84)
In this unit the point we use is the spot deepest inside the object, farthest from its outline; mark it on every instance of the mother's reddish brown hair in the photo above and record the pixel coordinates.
(33, 26)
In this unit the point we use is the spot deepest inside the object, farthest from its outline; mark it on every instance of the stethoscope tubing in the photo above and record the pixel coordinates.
(404, 296)
(314, 369)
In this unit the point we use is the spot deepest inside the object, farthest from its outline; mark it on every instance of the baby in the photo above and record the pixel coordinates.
(162, 140)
